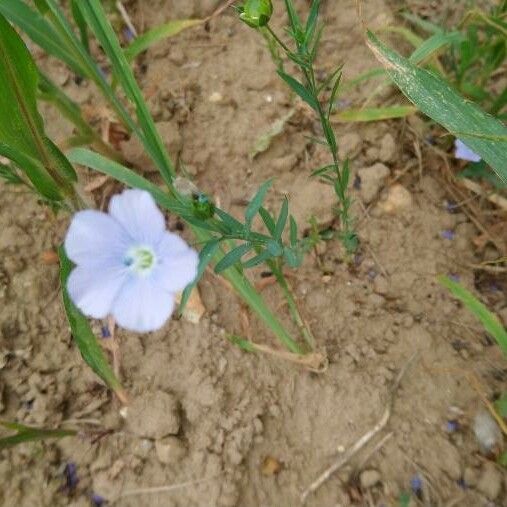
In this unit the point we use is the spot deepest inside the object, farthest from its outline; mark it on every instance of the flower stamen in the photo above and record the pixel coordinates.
(140, 259)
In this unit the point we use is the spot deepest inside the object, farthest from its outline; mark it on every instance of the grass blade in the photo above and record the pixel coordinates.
(373, 114)
(22, 128)
(157, 34)
(40, 31)
(488, 319)
(257, 201)
(435, 98)
(86, 341)
(97, 20)
(29, 434)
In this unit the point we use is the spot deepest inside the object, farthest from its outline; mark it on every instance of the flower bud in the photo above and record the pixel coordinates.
(202, 206)
(256, 13)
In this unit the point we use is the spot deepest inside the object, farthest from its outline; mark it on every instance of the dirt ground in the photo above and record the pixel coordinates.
(233, 429)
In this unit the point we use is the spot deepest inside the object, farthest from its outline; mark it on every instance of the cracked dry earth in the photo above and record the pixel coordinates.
(252, 430)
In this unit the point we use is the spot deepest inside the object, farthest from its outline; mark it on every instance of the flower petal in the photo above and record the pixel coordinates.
(138, 214)
(94, 290)
(94, 238)
(177, 263)
(142, 306)
(463, 152)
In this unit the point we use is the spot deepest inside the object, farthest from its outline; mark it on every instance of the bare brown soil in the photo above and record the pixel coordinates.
(251, 430)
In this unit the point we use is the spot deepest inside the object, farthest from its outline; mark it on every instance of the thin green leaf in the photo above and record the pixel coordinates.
(282, 220)
(311, 22)
(35, 172)
(333, 94)
(233, 257)
(406, 33)
(260, 258)
(22, 128)
(99, 24)
(430, 46)
(268, 220)
(128, 177)
(422, 23)
(373, 114)
(206, 255)
(299, 89)
(241, 343)
(293, 238)
(29, 434)
(501, 405)
(8, 174)
(40, 31)
(86, 341)
(256, 202)
(158, 33)
(435, 98)
(488, 319)
(80, 22)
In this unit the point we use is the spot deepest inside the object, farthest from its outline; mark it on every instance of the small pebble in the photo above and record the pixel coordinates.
(369, 478)
(490, 482)
(487, 432)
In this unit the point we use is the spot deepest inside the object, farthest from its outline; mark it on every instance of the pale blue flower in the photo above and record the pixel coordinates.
(127, 264)
(463, 152)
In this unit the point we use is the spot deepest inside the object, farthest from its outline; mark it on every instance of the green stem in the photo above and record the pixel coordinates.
(285, 48)
(253, 299)
(293, 308)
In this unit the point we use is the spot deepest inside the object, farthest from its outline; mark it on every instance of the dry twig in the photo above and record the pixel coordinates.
(344, 458)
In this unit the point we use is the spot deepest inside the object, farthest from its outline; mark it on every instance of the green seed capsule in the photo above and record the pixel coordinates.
(202, 206)
(256, 13)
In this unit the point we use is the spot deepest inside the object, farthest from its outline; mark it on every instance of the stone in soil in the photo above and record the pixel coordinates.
(154, 415)
(490, 481)
(372, 180)
(369, 478)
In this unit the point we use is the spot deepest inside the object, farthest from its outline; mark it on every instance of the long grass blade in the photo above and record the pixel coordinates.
(435, 98)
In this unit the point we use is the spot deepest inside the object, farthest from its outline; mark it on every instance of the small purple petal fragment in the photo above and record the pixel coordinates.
(70, 475)
(97, 500)
(454, 277)
(372, 274)
(448, 234)
(105, 332)
(357, 182)
(127, 33)
(463, 152)
(451, 206)
(416, 484)
(452, 426)
(462, 484)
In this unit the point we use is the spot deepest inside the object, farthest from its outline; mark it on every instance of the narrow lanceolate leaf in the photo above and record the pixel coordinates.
(233, 257)
(373, 114)
(29, 434)
(299, 89)
(282, 219)
(97, 20)
(206, 255)
(488, 319)
(157, 34)
(256, 202)
(86, 341)
(268, 220)
(22, 128)
(435, 98)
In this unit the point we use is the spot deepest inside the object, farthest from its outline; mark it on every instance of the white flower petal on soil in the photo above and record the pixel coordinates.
(463, 152)
(128, 265)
